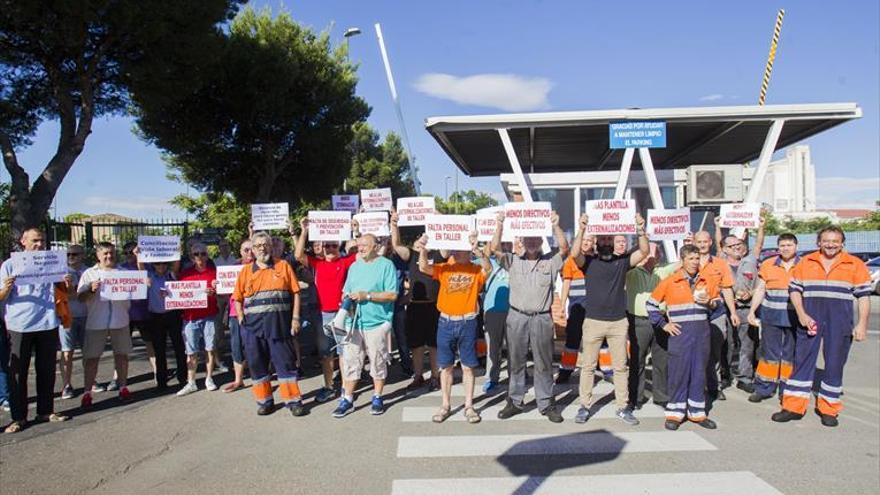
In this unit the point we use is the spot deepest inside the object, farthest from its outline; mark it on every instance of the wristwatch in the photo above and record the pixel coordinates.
(369, 296)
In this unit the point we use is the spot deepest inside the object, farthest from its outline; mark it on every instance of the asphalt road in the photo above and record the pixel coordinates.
(211, 442)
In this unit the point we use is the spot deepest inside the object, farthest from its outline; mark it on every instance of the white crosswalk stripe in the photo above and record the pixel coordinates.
(713, 483)
(424, 414)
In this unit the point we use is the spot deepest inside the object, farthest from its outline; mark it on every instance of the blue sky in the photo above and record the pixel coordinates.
(474, 57)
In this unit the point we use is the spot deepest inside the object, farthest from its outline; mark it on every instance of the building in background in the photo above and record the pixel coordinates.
(790, 185)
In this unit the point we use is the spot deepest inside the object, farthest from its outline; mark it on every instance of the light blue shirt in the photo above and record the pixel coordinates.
(379, 275)
(29, 308)
(497, 296)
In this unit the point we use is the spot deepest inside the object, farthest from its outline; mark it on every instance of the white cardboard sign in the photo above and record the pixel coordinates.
(528, 219)
(346, 202)
(611, 217)
(158, 248)
(485, 220)
(668, 225)
(186, 294)
(270, 216)
(740, 215)
(451, 232)
(329, 225)
(39, 267)
(413, 212)
(226, 277)
(123, 285)
(374, 222)
(377, 199)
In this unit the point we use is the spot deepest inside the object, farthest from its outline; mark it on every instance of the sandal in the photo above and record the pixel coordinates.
(473, 417)
(15, 427)
(52, 418)
(232, 387)
(441, 415)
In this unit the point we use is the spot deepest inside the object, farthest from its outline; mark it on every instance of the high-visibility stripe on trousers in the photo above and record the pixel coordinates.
(686, 372)
(775, 358)
(259, 352)
(835, 342)
(574, 331)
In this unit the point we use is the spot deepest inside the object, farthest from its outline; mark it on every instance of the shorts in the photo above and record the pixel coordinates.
(325, 342)
(72, 338)
(372, 343)
(142, 326)
(421, 324)
(460, 336)
(94, 341)
(198, 335)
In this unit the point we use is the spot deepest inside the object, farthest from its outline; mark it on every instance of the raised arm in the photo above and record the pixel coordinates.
(644, 248)
(421, 247)
(355, 233)
(759, 239)
(719, 237)
(481, 255)
(559, 234)
(401, 250)
(300, 251)
(578, 256)
(495, 244)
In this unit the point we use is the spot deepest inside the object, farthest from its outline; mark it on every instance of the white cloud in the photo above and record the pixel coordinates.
(712, 97)
(847, 192)
(507, 92)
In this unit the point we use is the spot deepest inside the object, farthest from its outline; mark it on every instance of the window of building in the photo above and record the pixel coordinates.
(562, 200)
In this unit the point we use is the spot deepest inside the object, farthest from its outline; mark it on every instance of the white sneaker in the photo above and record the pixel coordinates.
(187, 389)
(221, 368)
(210, 385)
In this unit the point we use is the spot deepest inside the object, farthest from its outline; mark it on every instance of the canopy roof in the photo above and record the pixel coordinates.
(578, 141)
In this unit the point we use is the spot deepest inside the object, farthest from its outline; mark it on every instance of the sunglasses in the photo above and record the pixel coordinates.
(73, 255)
(332, 246)
(200, 253)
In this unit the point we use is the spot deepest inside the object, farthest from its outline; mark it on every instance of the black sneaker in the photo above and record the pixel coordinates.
(661, 403)
(671, 425)
(828, 420)
(296, 408)
(756, 397)
(265, 410)
(745, 386)
(552, 413)
(708, 424)
(719, 395)
(784, 416)
(509, 411)
(563, 376)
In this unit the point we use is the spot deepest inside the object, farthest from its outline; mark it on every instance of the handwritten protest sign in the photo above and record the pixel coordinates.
(346, 202)
(377, 199)
(611, 216)
(269, 216)
(226, 277)
(186, 294)
(39, 267)
(374, 222)
(123, 285)
(740, 215)
(329, 225)
(528, 219)
(414, 211)
(485, 220)
(450, 232)
(668, 225)
(158, 248)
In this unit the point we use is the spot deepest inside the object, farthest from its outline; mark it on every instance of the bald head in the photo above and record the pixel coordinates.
(703, 241)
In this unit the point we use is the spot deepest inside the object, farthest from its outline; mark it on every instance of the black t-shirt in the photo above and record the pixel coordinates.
(422, 287)
(605, 280)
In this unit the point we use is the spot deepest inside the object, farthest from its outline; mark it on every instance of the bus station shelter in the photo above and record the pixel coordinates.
(565, 151)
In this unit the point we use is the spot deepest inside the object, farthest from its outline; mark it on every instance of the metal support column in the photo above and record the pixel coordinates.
(525, 186)
(623, 178)
(763, 164)
(656, 197)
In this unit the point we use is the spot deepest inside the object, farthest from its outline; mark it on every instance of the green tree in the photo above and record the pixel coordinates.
(74, 61)
(376, 164)
(271, 120)
(465, 202)
(216, 210)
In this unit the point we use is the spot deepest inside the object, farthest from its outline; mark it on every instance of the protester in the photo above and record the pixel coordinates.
(236, 344)
(371, 288)
(164, 323)
(72, 338)
(605, 315)
(574, 294)
(198, 323)
(331, 271)
(32, 322)
(267, 306)
(529, 325)
(822, 288)
(402, 259)
(496, 304)
(138, 312)
(458, 304)
(105, 318)
(778, 319)
(742, 341)
(4, 361)
(689, 296)
(226, 258)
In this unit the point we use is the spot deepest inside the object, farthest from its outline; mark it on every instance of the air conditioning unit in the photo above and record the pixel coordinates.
(715, 184)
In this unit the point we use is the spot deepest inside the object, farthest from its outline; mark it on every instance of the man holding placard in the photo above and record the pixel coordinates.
(529, 325)
(72, 337)
(605, 312)
(199, 323)
(32, 324)
(106, 318)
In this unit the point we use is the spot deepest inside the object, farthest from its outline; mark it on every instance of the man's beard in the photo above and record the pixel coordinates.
(606, 252)
(263, 258)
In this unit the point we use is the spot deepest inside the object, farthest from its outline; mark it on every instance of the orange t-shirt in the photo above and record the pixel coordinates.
(460, 286)
(570, 270)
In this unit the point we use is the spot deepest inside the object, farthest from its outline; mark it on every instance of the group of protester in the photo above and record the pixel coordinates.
(706, 321)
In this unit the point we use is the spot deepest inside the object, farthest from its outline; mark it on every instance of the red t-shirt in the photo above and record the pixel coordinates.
(209, 275)
(329, 280)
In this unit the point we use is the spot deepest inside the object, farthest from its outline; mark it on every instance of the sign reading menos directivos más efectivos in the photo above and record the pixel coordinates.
(637, 134)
